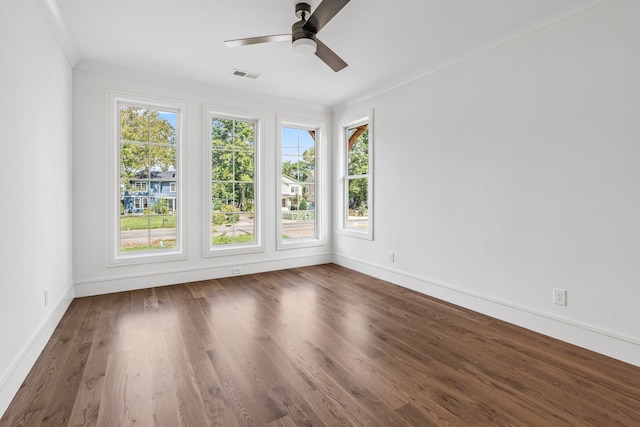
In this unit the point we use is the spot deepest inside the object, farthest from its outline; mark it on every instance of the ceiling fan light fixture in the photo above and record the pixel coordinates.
(305, 46)
(303, 33)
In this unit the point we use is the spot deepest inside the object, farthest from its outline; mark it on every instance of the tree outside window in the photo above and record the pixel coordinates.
(147, 161)
(357, 180)
(233, 186)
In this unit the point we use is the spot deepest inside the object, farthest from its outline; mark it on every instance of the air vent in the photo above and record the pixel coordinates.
(246, 74)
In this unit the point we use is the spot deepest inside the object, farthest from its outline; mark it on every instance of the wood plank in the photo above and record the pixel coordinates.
(34, 398)
(190, 405)
(319, 345)
(87, 404)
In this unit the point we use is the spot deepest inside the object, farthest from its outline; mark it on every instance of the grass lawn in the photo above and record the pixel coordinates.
(155, 245)
(225, 240)
(143, 222)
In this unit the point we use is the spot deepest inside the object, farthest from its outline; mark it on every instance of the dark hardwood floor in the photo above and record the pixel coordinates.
(312, 346)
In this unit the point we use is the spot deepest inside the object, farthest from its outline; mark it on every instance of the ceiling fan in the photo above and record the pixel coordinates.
(303, 33)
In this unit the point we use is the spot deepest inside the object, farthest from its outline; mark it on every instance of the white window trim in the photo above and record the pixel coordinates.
(114, 100)
(343, 157)
(319, 127)
(211, 111)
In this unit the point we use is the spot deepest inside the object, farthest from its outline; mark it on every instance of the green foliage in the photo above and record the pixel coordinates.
(249, 206)
(222, 240)
(296, 170)
(229, 130)
(299, 215)
(294, 203)
(232, 213)
(358, 193)
(363, 209)
(309, 156)
(359, 165)
(219, 219)
(227, 214)
(226, 240)
(359, 155)
(303, 204)
(301, 169)
(148, 142)
(232, 164)
(161, 207)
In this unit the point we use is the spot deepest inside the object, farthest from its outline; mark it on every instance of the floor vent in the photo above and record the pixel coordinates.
(246, 74)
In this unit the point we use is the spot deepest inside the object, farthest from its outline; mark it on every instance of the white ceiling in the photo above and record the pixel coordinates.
(384, 42)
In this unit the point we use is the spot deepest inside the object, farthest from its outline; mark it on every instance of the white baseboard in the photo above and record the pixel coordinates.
(13, 377)
(169, 277)
(617, 346)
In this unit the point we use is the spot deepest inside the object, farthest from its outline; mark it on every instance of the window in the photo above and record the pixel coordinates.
(140, 203)
(147, 143)
(299, 176)
(172, 187)
(140, 186)
(357, 198)
(232, 210)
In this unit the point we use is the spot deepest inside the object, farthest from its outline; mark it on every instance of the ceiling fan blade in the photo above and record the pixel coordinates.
(256, 40)
(329, 57)
(323, 14)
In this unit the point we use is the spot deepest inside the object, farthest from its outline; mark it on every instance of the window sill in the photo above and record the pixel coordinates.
(300, 243)
(365, 235)
(215, 251)
(146, 258)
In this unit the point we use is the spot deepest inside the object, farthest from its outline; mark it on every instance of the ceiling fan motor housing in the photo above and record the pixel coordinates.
(297, 32)
(303, 8)
(304, 42)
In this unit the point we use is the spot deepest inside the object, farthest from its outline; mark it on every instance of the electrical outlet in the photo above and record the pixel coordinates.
(236, 270)
(559, 296)
(391, 256)
(46, 297)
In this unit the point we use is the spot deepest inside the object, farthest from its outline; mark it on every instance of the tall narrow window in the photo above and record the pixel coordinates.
(357, 214)
(299, 195)
(233, 209)
(148, 143)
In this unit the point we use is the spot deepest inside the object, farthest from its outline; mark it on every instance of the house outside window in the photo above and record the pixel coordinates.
(233, 197)
(147, 143)
(299, 165)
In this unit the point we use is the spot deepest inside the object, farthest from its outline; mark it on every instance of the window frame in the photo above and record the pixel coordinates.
(345, 177)
(141, 187)
(115, 101)
(319, 127)
(210, 112)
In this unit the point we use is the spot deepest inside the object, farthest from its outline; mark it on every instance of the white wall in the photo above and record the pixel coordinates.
(514, 172)
(91, 81)
(35, 123)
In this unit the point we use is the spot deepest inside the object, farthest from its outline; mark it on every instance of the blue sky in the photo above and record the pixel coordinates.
(294, 143)
(170, 117)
